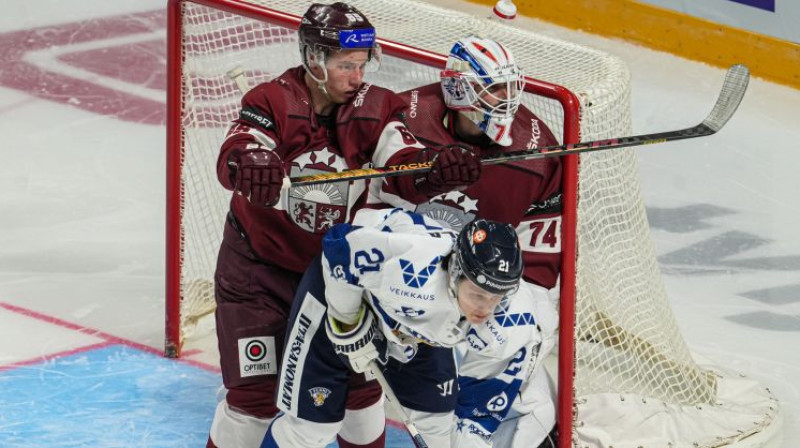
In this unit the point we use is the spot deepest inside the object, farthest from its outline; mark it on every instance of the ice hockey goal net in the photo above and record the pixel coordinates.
(626, 377)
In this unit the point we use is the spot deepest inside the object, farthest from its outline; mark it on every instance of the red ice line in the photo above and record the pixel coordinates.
(108, 338)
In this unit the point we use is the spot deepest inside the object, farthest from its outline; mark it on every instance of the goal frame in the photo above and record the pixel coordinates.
(174, 192)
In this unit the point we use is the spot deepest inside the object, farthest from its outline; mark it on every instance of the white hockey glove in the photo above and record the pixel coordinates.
(362, 344)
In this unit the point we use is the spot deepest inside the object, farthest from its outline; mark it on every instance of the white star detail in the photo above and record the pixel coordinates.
(323, 155)
(304, 160)
(453, 196)
(469, 205)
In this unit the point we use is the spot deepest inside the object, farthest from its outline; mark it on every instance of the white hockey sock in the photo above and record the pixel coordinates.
(435, 428)
(232, 429)
(362, 426)
(289, 432)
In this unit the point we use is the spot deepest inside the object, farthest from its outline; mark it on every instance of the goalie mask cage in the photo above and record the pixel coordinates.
(625, 376)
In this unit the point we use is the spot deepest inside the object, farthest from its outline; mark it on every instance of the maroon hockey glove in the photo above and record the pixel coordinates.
(259, 177)
(454, 168)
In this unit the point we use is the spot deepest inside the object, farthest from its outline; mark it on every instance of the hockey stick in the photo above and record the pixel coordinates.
(391, 398)
(730, 96)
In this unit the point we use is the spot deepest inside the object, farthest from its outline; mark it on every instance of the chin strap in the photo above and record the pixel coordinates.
(320, 61)
(320, 82)
(453, 274)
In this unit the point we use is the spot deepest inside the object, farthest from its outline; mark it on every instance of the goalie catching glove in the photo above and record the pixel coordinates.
(361, 345)
(454, 168)
(258, 176)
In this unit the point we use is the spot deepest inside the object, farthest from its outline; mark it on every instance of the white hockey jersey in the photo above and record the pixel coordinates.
(392, 259)
(493, 390)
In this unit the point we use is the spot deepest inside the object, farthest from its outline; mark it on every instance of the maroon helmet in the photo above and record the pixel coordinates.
(338, 26)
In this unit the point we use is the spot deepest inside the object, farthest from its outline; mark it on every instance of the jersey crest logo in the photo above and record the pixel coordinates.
(317, 208)
(319, 395)
(415, 279)
(454, 208)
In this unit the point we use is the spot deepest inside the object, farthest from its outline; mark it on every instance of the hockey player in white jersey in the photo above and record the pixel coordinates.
(397, 287)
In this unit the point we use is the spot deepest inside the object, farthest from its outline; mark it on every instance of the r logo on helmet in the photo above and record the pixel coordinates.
(479, 236)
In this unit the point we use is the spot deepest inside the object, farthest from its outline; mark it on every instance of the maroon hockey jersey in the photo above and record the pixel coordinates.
(525, 194)
(278, 115)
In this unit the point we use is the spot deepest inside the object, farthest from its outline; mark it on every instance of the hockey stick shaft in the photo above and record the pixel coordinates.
(729, 99)
(391, 398)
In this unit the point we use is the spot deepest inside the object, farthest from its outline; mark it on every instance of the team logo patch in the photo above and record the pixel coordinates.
(257, 356)
(479, 236)
(319, 395)
(317, 208)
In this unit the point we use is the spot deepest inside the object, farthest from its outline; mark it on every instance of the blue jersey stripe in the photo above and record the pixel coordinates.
(336, 249)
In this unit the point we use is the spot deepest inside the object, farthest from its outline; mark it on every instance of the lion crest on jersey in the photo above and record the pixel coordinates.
(317, 208)
(319, 395)
(454, 208)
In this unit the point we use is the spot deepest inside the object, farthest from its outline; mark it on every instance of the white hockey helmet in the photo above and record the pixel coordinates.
(482, 81)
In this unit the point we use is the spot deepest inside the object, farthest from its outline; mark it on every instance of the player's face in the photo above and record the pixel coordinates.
(476, 304)
(345, 74)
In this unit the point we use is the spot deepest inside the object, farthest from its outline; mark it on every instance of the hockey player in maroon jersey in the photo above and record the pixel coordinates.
(317, 117)
(477, 106)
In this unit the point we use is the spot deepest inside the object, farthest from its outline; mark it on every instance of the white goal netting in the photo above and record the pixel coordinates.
(635, 381)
